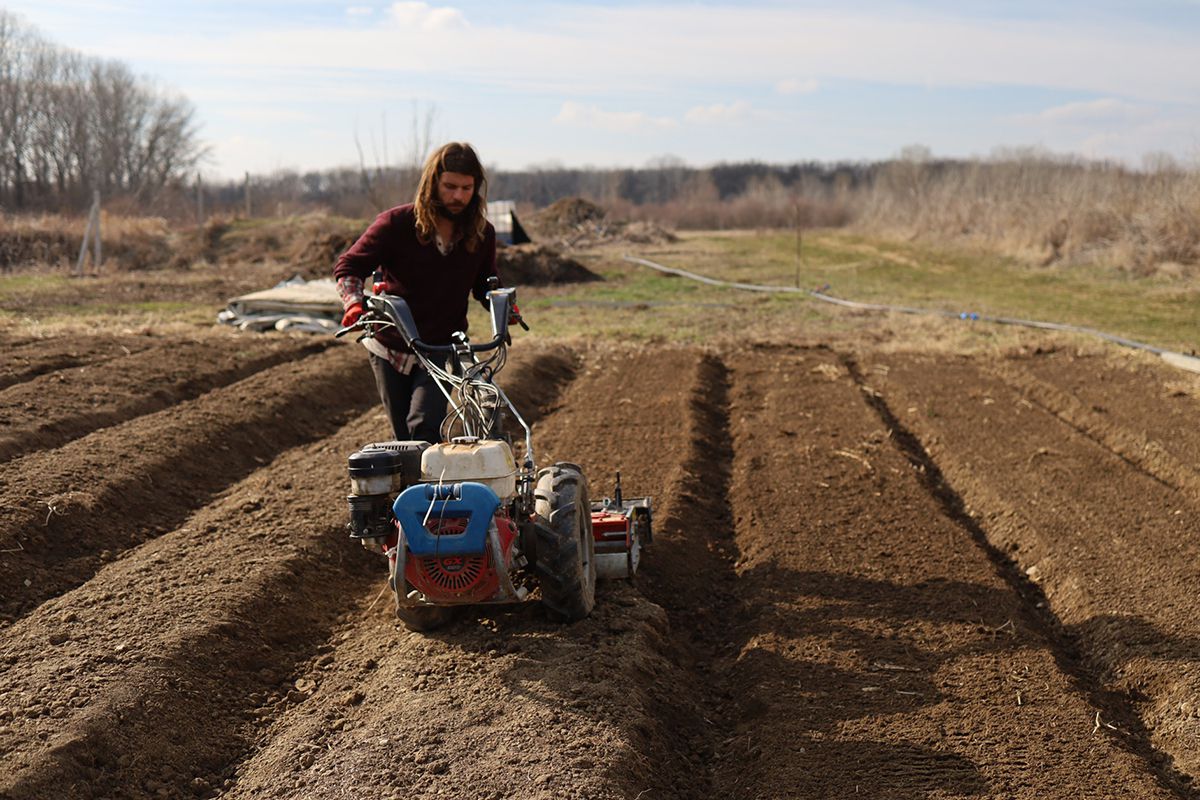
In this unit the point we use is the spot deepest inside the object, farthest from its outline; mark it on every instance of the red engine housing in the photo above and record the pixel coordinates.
(461, 579)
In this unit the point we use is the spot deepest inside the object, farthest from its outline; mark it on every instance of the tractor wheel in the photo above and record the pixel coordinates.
(425, 618)
(422, 618)
(566, 566)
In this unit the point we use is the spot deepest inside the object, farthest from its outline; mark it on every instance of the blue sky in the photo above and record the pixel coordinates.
(293, 84)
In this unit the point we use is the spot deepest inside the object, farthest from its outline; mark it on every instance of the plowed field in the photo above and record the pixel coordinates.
(885, 575)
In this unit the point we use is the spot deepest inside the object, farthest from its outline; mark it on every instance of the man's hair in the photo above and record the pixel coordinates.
(453, 157)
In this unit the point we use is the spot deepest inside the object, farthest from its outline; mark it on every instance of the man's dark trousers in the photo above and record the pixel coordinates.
(414, 403)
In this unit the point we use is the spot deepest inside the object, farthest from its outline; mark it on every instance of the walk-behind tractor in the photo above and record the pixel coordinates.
(460, 523)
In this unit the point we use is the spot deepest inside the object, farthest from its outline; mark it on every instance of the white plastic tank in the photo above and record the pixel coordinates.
(488, 461)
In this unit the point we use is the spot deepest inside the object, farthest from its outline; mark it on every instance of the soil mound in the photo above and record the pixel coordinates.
(308, 245)
(566, 215)
(576, 222)
(126, 243)
(539, 265)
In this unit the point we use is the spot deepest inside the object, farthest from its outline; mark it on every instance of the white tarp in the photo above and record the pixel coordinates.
(293, 305)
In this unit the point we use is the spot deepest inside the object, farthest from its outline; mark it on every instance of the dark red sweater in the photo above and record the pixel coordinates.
(436, 286)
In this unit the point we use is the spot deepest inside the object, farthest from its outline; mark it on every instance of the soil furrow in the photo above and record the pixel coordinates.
(67, 511)
(157, 676)
(1138, 450)
(1113, 707)
(692, 577)
(1105, 540)
(107, 701)
(1134, 395)
(27, 360)
(502, 703)
(628, 419)
(55, 408)
(877, 652)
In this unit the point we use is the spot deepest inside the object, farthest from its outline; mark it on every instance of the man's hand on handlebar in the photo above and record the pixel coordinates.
(358, 318)
(514, 316)
(353, 312)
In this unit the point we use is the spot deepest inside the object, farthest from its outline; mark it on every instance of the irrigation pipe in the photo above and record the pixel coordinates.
(1180, 360)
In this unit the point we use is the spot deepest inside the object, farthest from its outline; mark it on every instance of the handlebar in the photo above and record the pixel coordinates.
(393, 311)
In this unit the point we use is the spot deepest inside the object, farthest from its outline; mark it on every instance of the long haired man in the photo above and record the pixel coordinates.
(435, 253)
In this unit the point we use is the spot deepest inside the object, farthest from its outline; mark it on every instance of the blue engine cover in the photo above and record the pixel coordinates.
(474, 501)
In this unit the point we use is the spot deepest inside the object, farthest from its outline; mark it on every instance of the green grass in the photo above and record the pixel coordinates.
(26, 282)
(636, 304)
(1158, 311)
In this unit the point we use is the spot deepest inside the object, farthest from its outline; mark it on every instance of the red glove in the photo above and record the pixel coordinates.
(353, 312)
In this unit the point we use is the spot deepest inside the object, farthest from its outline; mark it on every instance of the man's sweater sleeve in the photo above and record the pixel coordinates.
(355, 265)
(487, 268)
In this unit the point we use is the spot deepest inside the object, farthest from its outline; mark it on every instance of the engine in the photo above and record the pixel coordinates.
(460, 544)
(378, 473)
(466, 578)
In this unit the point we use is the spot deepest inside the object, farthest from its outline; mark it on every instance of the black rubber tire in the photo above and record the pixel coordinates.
(566, 565)
(422, 618)
(425, 618)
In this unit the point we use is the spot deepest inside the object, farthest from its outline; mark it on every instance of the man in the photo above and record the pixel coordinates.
(432, 252)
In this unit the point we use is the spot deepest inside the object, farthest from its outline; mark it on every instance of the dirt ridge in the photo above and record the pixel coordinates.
(72, 508)
(1119, 716)
(29, 359)
(141, 383)
(1140, 452)
(222, 628)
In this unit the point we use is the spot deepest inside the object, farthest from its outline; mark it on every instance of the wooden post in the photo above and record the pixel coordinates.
(799, 245)
(83, 246)
(91, 230)
(199, 201)
(96, 212)
(247, 187)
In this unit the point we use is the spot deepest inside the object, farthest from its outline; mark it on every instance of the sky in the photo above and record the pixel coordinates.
(304, 84)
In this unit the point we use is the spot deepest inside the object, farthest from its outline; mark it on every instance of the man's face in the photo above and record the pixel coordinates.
(455, 190)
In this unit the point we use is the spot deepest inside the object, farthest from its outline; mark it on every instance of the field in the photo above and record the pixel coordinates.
(895, 556)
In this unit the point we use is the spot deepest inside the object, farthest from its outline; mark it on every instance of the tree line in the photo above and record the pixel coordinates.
(72, 124)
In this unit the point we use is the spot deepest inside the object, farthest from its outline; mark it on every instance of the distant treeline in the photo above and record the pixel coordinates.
(1028, 203)
(70, 124)
(658, 188)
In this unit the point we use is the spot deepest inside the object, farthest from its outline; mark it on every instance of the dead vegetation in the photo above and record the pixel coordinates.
(1044, 210)
(307, 244)
(128, 243)
(1040, 209)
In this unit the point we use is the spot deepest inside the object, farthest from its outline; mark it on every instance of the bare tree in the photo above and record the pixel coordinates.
(70, 124)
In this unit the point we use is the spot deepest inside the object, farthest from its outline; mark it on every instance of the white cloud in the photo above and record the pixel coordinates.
(577, 114)
(425, 17)
(596, 49)
(719, 113)
(273, 115)
(1091, 112)
(797, 86)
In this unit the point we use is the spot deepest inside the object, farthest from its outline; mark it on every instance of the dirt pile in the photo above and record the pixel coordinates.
(306, 245)
(540, 265)
(577, 222)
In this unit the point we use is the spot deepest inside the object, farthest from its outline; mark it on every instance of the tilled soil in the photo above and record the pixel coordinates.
(878, 575)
